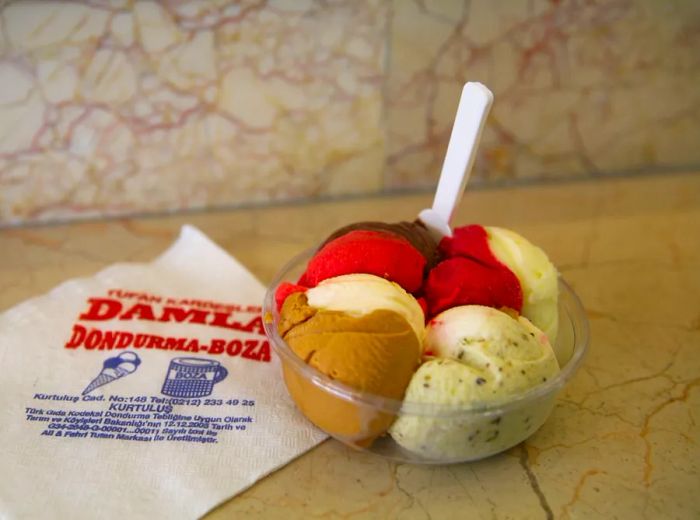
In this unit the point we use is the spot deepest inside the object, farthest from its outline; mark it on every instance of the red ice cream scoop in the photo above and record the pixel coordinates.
(372, 252)
(415, 232)
(471, 275)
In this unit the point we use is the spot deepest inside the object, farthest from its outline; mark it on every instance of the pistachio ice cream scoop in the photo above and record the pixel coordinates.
(483, 357)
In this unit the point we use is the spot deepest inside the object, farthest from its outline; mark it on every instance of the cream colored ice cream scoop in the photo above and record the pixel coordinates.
(361, 294)
(491, 340)
(484, 356)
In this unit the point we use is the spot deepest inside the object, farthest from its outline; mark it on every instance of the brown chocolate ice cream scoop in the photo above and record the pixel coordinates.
(415, 232)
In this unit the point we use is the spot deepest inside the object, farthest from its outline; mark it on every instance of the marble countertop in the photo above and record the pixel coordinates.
(623, 440)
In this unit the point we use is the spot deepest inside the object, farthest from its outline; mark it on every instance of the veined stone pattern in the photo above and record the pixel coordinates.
(580, 87)
(123, 107)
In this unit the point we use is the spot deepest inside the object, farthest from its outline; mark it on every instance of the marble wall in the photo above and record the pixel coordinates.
(581, 87)
(121, 107)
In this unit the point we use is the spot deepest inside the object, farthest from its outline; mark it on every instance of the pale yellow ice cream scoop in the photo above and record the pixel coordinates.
(483, 356)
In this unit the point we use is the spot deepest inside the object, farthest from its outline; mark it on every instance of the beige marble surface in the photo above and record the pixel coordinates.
(624, 438)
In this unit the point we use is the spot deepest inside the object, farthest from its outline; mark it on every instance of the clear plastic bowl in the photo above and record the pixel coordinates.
(449, 434)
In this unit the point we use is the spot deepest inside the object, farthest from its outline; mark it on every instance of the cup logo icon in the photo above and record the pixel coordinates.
(192, 377)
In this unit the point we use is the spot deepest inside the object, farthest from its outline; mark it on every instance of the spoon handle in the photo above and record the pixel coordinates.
(473, 109)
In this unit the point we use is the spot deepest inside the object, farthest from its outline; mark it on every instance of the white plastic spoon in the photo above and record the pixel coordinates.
(474, 107)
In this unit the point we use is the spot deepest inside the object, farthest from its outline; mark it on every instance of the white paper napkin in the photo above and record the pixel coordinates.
(147, 391)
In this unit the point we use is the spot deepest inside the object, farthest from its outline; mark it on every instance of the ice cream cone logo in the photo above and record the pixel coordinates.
(114, 368)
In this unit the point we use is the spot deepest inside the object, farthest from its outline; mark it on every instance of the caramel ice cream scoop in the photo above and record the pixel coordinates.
(375, 352)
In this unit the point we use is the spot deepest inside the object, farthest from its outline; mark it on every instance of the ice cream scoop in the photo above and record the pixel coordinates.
(415, 232)
(373, 350)
(360, 294)
(380, 253)
(537, 275)
(471, 274)
(496, 267)
(483, 357)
